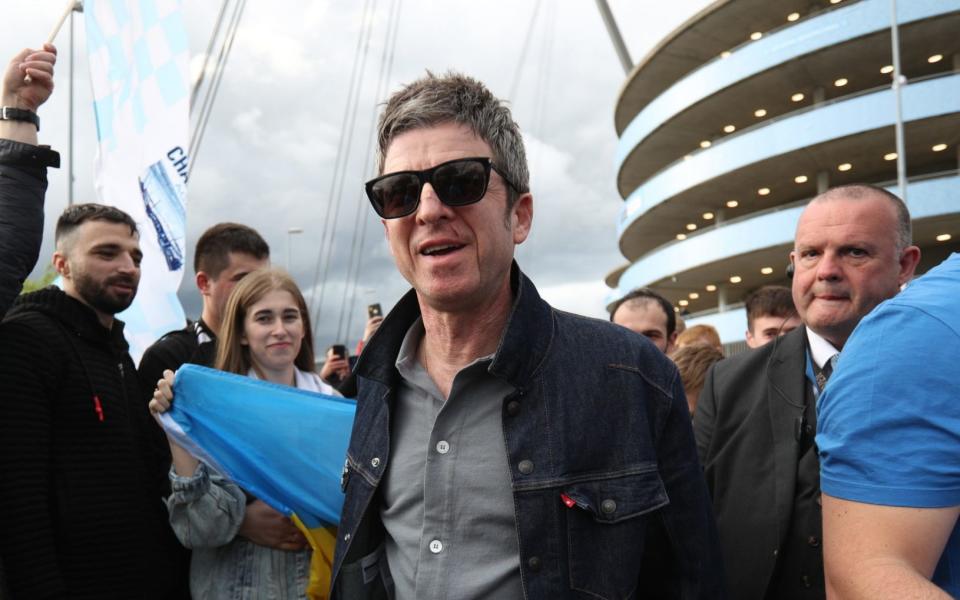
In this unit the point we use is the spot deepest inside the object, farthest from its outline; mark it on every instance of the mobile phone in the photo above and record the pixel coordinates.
(339, 350)
(374, 310)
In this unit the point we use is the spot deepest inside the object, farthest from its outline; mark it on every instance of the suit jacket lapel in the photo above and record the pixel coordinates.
(785, 396)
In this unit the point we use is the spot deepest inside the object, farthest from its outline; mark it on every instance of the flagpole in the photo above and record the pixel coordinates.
(77, 6)
(71, 6)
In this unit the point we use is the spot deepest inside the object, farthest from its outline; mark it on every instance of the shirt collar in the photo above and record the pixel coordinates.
(407, 362)
(407, 357)
(820, 349)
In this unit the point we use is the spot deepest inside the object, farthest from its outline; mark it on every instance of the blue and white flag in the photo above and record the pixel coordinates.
(139, 67)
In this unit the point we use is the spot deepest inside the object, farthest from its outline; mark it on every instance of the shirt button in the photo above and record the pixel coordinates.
(436, 546)
(534, 563)
(608, 507)
(525, 467)
(375, 462)
(513, 408)
(813, 541)
(443, 447)
(346, 538)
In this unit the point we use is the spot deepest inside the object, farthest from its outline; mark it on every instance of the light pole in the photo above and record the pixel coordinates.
(898, 81)
(290, 233)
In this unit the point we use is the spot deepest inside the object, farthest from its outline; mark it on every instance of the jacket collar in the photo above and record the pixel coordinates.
(522, 349)
(75, 316)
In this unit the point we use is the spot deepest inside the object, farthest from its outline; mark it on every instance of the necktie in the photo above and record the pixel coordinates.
(827, 371)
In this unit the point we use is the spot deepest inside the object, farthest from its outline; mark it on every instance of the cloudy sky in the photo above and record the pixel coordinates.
(270, 148)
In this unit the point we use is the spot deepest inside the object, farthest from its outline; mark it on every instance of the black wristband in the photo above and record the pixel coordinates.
(9, 113)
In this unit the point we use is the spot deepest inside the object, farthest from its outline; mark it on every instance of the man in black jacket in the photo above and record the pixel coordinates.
(23, 167)
(756, 417)
(82, 465)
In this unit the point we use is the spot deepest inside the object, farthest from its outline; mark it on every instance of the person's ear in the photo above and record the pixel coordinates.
(909, 259)
(204, 283)
(671, 342)
(60, 264)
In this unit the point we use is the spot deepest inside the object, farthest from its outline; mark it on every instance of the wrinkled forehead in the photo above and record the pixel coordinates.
(424, 147)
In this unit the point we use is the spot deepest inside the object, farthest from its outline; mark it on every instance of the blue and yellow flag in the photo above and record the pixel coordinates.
(283, 445)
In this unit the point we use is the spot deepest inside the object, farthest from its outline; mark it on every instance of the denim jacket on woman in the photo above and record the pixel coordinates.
(609, 497)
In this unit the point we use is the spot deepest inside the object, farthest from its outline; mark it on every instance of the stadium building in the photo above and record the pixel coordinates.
(749, 109)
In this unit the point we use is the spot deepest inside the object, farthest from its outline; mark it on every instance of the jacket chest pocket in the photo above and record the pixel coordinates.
(606, 530)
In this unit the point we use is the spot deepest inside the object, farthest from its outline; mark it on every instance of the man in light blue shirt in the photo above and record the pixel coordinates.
(889, 441)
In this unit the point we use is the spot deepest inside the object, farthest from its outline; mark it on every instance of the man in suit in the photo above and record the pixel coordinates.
(756, 417)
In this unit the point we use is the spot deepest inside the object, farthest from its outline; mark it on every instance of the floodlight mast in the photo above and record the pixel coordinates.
(618, 45)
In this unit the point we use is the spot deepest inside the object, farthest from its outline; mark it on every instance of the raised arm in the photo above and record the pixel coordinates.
(23, 178)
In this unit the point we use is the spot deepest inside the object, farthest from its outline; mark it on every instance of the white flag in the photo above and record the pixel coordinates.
(139, 67)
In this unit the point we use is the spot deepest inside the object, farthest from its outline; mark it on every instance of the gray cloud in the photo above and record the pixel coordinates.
(268, 155)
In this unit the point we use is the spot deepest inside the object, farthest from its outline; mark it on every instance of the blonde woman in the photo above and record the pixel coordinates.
(265, 334)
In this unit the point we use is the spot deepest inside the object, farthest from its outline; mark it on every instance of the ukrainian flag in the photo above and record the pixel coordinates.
(283, 445)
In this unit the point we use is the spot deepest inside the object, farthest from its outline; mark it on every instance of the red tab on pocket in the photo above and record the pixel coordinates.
(567, 500)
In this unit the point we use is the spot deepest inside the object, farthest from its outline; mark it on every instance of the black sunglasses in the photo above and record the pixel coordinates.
(456, 182)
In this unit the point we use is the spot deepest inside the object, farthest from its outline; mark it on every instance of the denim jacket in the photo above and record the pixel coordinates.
(609, 496)
(206, 511)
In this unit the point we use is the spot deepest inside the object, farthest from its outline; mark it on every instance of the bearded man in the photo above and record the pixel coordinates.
(82, 465)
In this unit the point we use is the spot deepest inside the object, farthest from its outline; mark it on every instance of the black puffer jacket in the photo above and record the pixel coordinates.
(82, 464)
(23, 182)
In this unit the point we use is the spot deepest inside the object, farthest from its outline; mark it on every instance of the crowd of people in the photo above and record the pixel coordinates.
(500, 448)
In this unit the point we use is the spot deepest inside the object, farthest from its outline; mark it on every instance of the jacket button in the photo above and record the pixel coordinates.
(608, 507)
(534, 563)
(813, 541)
(525, 467)
(513, 408)
(375, 462)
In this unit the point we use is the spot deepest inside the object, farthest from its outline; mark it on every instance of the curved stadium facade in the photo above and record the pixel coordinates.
(739, 117)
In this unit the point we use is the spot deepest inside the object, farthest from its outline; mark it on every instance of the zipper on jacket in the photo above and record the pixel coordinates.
(97, 407)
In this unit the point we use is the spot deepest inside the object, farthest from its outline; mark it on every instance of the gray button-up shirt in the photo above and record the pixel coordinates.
(447, 498)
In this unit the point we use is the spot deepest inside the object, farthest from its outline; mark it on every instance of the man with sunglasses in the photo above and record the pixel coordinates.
(501, 448)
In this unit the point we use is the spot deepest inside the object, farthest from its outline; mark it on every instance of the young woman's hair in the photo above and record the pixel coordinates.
(233, 356)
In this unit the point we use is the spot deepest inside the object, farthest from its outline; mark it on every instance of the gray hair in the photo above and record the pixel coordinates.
(861, 191)
(456, 98)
